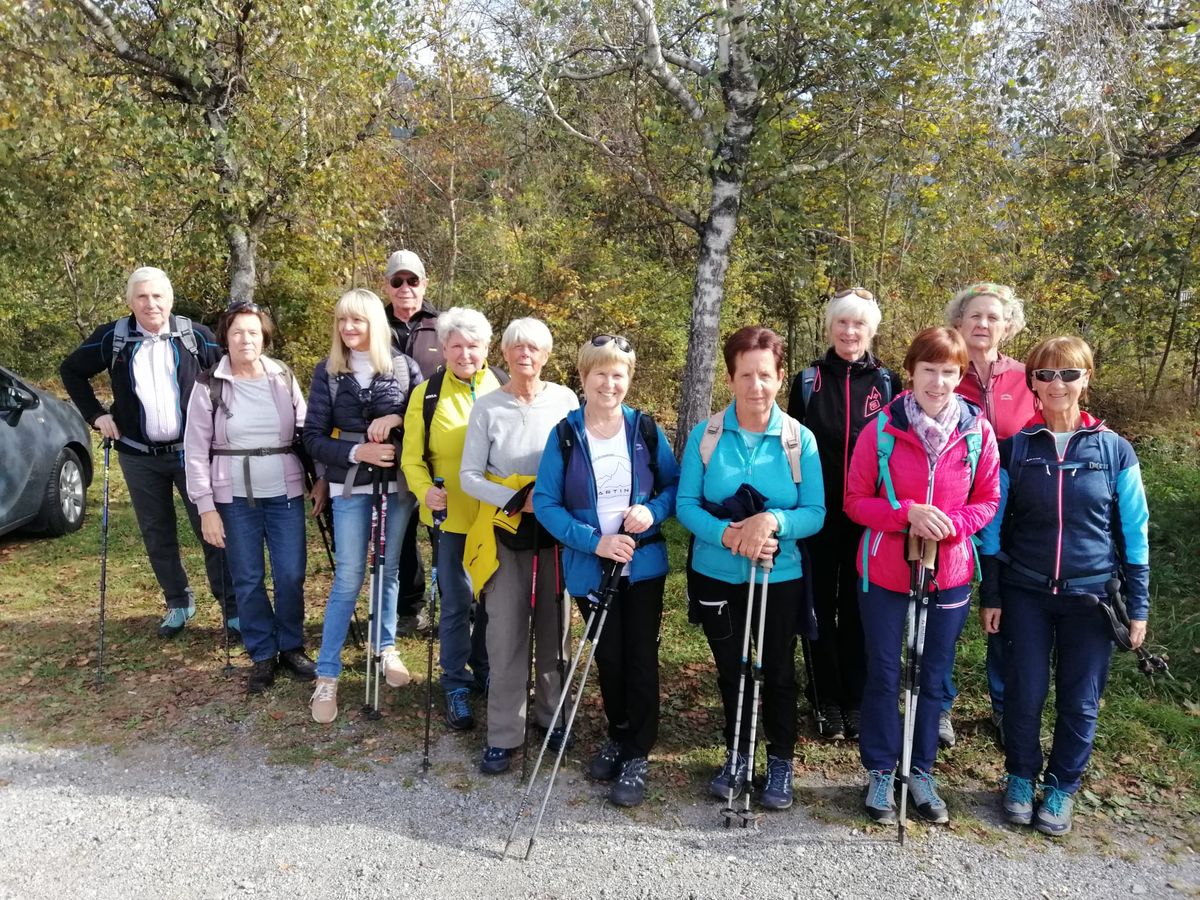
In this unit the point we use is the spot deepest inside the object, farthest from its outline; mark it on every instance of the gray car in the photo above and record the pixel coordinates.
(45, 460)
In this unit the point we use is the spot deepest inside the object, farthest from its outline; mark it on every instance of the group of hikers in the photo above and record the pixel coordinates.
(864, 511)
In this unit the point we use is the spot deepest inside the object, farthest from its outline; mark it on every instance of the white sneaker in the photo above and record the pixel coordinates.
(394, 671)
(324, 701)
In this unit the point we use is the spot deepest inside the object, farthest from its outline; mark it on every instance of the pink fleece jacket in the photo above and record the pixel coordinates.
(1006, 400)
(948, 484)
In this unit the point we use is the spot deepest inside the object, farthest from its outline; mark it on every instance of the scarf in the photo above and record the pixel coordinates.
(933, 433)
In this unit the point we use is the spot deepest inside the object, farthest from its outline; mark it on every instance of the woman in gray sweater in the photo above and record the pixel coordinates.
(506, 434)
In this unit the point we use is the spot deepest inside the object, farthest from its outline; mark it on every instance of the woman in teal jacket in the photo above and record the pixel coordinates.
(751, 448)
(605, 484)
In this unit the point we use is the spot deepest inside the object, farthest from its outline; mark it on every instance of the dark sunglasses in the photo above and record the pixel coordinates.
(859, 292)
(623, 345)
(410, 280)
(1047, 376)
(238, 306)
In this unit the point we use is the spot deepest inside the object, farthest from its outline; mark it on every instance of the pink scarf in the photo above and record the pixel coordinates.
(933, 433)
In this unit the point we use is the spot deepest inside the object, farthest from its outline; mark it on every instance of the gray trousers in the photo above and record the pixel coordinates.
(152, 482)
(506, 599)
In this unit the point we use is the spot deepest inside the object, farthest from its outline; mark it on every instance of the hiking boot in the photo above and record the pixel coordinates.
(556, 739)
(458, 711)
(606, 764)
(930, 806)
(630, 789)
(946, 737)
(834, 728)
(1055, 813)
(481, 684)
(423, 622)
(233, 629)
(324, 701)
(495, 760)
(998, 727)
(262, 676)
(298, 664)
(778, 792)
(851, 719)
(881, 797)
(394, 670)
(407, 626)
(733, 772)
(174, 621)
(1018, 800)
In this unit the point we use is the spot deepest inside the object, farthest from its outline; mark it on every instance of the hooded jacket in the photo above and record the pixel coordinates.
(947, 485)
(1070, 523)
(1006, 400)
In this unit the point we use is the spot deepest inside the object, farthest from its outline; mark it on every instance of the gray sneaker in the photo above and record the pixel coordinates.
(930, 806)
(1018, 800)
(945, 730)
(1054, 815)
(881, 797)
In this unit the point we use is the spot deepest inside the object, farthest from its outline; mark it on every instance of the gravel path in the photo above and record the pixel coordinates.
(166, 822)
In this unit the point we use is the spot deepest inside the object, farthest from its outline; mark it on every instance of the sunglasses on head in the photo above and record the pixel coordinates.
(410, 280)
(238, 306)
(1047, 376)
(860, 292)
(623, 345)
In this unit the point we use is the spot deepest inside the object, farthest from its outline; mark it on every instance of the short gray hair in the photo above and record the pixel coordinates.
(1012, 305)
(853, 304)
(470, 323)
(148, 273)
(527, 331)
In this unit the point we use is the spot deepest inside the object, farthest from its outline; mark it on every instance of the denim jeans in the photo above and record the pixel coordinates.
(352, 525)
(884, 615)
(280, 522)
(461, 645)
(1033, 625)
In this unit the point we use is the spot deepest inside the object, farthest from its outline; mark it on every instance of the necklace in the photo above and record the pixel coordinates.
(605, 430)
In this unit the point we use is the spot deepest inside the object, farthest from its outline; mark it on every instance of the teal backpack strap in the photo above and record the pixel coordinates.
(974, 449)
(883, 448)
(866, 558)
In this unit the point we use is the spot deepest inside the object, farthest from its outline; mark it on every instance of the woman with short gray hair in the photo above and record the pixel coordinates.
(508, 555)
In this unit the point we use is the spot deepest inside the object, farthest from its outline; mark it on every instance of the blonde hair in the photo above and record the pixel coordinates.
(1062, 352)
(362, 304)
(1012, 306)
(593, 357)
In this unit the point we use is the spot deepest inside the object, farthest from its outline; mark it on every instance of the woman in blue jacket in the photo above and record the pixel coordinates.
(752, 438)
(606, 482)
(1072, 518)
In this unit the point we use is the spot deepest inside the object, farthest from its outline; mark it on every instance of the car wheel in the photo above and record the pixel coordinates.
(65, 499)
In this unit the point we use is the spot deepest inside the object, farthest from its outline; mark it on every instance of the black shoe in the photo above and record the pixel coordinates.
(556, 739)
(262, 676)
(630, 789)
(406, 626)
(851, 719)
(834, 728)
(606, 764)
(298, 665)
(458, 711)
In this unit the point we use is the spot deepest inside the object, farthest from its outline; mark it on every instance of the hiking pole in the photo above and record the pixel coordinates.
(1117, 615)
(370, 707)
(921, 555)
(439, 516)
(766, 565)
(103, 564)
(729, 813)
(560, 609)
(600, 601)
(530, 691)
(810, 671)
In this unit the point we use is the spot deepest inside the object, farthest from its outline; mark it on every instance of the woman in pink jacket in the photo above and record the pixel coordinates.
(940, 482)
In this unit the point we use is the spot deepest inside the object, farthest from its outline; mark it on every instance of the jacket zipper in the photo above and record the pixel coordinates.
(1059, 542)
(846, 442)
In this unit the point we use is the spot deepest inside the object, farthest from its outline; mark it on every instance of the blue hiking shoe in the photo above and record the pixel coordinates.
(458, 710)
(1055, 814)
(495, 760)
(630, 789)
(1018, 800)
(778, 792)
(732, 772)
(557, 736)
(930, 806)
(174, 621)
(880, 801)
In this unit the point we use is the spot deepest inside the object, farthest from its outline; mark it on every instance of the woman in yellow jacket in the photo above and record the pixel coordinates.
(464, 335)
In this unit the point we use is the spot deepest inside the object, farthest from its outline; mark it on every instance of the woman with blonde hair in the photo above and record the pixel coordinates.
(358, 398)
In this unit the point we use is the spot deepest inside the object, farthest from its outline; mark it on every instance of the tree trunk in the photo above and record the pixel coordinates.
(243, 265)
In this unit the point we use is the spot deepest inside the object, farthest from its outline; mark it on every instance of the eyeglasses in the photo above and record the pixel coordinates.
(401, 280)
(238, 306)
(623, 345)
(860, 292)
(1047, 376)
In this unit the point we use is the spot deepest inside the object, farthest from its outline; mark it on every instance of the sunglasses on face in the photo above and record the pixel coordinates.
(1047, 376)
(860, 292)
(623, 345)
(410, 280)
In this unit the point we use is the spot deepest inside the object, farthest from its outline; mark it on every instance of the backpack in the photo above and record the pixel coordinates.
(646, 428)
(808, 380)
(430, 401)
(789, 435)
(185, 333)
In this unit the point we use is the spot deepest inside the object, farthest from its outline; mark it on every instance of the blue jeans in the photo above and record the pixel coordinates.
(352, 525)
(461, 646)
(280, 522)
(1033, 625)
(884, 614)
(995, 676)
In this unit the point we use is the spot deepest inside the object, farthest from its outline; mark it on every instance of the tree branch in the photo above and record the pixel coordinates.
(757, 188)
(136, 56)
(656, 65)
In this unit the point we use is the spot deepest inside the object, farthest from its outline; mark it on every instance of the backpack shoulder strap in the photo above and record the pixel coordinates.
(499, 374)
(712, 434)
(808, 381)
(187, 334)
(649, 433)
(885, 443)
(119, 339)
(566, 441)
(885, 384)
(433, 390)
(974, 449)
(790, 435)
